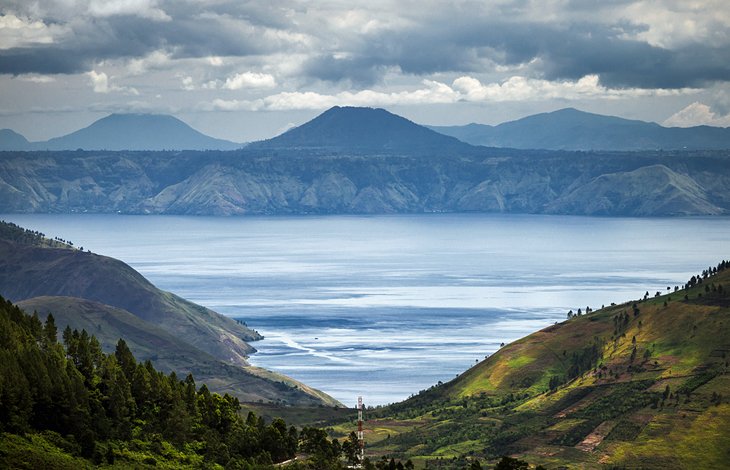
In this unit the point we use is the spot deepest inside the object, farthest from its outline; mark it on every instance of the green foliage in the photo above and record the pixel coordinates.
(109, 408)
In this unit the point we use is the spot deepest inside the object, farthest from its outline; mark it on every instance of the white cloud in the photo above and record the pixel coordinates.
(154, 61)
(672, 23)
(23, 32)
(697, 114)
(143, 8)
(467, 89)
(187, 84)
(249, 80)
(35, 78)
(99, 81)
(101, 84)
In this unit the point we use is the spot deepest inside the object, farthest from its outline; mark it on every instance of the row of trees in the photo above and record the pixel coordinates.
(93, 399)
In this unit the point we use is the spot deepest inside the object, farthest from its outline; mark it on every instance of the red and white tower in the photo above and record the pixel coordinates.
(360, 437)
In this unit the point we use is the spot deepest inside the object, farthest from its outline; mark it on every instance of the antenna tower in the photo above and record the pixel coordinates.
(360, 437)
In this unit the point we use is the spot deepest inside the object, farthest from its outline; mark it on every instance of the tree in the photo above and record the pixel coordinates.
(508, 463)
(125, 359)
(351, 449)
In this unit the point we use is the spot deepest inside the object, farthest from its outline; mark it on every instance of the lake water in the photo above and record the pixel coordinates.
(386, 306)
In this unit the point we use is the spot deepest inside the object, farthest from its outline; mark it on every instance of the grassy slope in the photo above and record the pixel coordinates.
(612, 414)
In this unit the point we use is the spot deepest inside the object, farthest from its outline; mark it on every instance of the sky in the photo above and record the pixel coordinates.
(248, 70)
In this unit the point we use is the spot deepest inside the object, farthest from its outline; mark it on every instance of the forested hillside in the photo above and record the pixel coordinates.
(68, 406)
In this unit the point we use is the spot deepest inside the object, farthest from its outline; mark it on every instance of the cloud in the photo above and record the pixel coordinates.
(631, 44)
(143, 8)
(697, 114)
(24, 32)
(463, 89)
(101, 84)
(249, 80)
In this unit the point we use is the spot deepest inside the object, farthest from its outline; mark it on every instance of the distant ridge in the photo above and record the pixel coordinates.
(11, 140)
(363, 129)
(124, 132)
(571, 129)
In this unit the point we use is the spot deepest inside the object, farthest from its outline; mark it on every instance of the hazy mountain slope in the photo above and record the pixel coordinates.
(638, 385)
(646, 191)
(331, 165)
(364, 129)
(29, 271)
(571, 129)
(136, 132)
(11, 140)
(169, 352)
(299, 182)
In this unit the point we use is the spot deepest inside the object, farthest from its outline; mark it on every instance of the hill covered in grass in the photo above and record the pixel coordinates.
(642, 384)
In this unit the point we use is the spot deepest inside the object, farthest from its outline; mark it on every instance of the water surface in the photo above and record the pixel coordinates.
(385, 306)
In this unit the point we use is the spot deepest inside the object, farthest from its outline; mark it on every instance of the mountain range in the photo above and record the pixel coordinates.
(312, 171)
(571, 129)
(374, 130)
(110, 300)
(124, 132)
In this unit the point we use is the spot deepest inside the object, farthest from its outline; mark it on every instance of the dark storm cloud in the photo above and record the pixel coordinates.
(561, 52)
(459, 37)
(188, 34)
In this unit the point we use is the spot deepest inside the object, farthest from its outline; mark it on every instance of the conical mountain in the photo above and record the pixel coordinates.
(137, 132)
(364, 130)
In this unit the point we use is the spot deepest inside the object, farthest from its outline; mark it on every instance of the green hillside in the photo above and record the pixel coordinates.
(643, 384)
(68, 405)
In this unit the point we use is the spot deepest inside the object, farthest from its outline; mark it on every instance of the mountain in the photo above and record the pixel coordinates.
(571, 129)
(124, 132)
(637, 385)
(357, 129)
(257, 181)
(112, 300)
(368, 161)
(11, 140)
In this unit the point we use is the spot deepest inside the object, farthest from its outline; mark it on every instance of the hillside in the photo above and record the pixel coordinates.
(353, 129)
(637, 385)
(111, 300)
(571, 129)
(28, 272)
(67, 404)
(124, 132)
(332, 182)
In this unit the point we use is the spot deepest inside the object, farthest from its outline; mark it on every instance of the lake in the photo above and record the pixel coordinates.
(385, 306)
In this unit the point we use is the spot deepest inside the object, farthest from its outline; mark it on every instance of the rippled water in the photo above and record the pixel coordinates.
(385, 306)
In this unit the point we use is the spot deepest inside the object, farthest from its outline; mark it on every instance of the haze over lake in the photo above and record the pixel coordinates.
(386, 306)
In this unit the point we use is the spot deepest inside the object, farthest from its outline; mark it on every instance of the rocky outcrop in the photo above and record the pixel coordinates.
(308, 182)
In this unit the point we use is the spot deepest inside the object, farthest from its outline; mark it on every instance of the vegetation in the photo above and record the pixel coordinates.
(12, 232)
(641, 384)
(72, 406)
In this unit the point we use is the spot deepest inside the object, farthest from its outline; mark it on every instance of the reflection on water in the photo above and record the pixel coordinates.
(385, 306)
